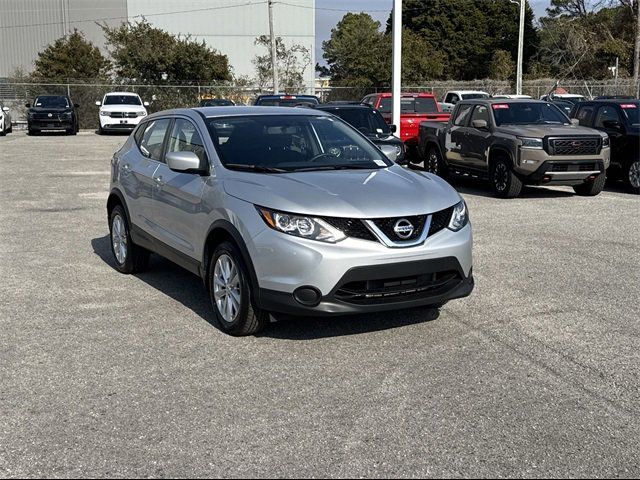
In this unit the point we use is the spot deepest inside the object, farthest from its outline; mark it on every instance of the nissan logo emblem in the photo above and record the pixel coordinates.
(50, 115)
(575, 144)
(403, 228)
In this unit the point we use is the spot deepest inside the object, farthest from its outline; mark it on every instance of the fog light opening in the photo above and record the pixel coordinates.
(308, 296)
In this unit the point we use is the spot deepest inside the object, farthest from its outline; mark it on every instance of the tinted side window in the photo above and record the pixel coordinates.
(480, 113)
(153, 138)
(385, 105)
(185, 138)
(139, 131)
(462, 114)
(585, 115)
(606, 113)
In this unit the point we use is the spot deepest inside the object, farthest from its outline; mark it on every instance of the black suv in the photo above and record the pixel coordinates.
(371, 123)
(620, 119)
(287, 101)
(55, 113)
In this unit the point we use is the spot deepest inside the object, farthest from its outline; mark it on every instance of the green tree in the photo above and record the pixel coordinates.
(502, 66)
(70, 58)
(291, 63)
(146, 54)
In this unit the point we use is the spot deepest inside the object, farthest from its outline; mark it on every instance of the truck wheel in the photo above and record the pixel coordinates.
(633, 177)
(504, 181)
(591, 188)
(230, 293)
(433, 162)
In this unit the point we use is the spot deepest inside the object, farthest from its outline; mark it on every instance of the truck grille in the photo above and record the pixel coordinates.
(574, 167)
(575, 146)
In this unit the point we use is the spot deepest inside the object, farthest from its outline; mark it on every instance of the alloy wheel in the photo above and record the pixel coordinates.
(226, 288)
(119, 239)
(500, 177)
(634, 175)
(432, 165)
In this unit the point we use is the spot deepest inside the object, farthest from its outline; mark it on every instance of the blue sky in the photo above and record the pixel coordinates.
(327, 19)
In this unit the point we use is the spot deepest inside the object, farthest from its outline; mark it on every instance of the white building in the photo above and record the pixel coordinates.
(229, 26)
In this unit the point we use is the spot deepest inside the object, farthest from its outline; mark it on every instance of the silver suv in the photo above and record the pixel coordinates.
(287, 211)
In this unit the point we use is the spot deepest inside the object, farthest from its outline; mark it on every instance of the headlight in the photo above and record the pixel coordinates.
(534, 143)
(66, 114)
(605, 142)
(301, 226)
(459, 217)
(141, 113)
(104, 113)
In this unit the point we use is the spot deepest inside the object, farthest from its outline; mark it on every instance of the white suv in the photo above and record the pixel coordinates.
(121, 111)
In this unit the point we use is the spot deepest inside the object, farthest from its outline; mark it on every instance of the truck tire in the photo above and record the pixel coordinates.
(504, 181)
(633, 176)
(230, 293)
(593, 188)
(433, 162)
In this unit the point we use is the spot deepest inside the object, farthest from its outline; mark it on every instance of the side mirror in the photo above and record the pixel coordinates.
(146, 104)
(98, 103)
(28, 105)
(393, 128)
(612, 124)
(480, 124)
(390, 152)
(185, 161)
(6, 109)
(76, 105)
(575, 121)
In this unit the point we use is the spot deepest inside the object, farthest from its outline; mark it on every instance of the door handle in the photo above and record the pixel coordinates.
(159, 181)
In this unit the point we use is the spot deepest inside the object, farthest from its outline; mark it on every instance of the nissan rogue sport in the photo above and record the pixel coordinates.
(287, 211)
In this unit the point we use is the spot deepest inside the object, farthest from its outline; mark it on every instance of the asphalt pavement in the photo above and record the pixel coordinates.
(536, 374)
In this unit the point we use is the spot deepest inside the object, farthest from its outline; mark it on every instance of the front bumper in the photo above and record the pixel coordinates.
(536, 167)
(119, 124)
(50, 125)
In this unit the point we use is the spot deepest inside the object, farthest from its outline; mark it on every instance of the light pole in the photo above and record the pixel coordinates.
(274, 65)
(396, 75)
(522, 4)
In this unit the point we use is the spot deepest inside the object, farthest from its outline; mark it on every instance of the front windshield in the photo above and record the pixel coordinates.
(287, 102)
(216, 102)
(473, 96)
(525, 113)
(288, 143)
(122, 100)
(51, 102)
(631, 111)
(369, 122)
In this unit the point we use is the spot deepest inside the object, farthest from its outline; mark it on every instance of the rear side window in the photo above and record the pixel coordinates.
(606, 113)
(418, 105)
(585, 116)
(462, 115)
(152, 138)
(451, 98)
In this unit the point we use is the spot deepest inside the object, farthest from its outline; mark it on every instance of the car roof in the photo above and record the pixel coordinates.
(236, 111)
(491, 101)
(345, 106)
(405, 94)
(617, 101)
(286, 96)
(467, 91)
(122, 93)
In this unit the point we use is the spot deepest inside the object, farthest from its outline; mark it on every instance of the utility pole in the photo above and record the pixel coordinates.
(522, 4)
(397, 64)
(274, 67)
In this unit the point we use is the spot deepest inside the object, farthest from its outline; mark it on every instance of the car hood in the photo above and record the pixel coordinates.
(122, 108)
(540, 131)
(387, 192)
(386, 139)
(50, 110)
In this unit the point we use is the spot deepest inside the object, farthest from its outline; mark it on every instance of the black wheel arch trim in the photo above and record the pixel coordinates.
(120, 195)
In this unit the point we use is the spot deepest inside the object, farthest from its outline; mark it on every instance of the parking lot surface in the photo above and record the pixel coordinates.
(101, 374)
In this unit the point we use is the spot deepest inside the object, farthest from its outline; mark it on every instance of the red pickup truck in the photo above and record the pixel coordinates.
(414, 108)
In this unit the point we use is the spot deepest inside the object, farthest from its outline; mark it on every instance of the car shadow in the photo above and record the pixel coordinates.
(482, 188)
(188, 289)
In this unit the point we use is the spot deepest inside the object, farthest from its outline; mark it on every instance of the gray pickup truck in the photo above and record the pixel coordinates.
(515, 143)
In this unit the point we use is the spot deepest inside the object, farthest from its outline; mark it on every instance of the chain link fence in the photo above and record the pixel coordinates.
(15, 94)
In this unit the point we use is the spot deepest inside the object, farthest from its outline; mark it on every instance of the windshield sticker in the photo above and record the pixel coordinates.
(500, 106)
(628, 105)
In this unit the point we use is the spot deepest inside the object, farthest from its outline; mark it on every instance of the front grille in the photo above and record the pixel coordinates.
(575, 146)
(352, 227)
(45, 117)
(387, 225)
(397, 289)
(123, 114)
(574, 167)
(440, 220)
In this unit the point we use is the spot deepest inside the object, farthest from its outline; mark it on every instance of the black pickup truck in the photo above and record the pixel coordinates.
(620, 119)
(515, 143)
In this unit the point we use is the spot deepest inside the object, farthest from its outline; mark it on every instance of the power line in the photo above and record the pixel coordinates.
(92, 20)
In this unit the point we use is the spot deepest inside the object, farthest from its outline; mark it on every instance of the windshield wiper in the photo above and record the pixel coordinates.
(255, 168)
(333, 167)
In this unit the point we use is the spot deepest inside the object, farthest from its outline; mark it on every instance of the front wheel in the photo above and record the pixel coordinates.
(591, 188)
(633, 177)
(504, 181)
(230, 293)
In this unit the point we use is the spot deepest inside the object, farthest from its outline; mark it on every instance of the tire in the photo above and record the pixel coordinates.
(504, 181)
(433, 162)
(10, 129)
(132, 258)
(235, 313)
(100, 130)
(632, 177)
(593, 188)
(31, 132)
